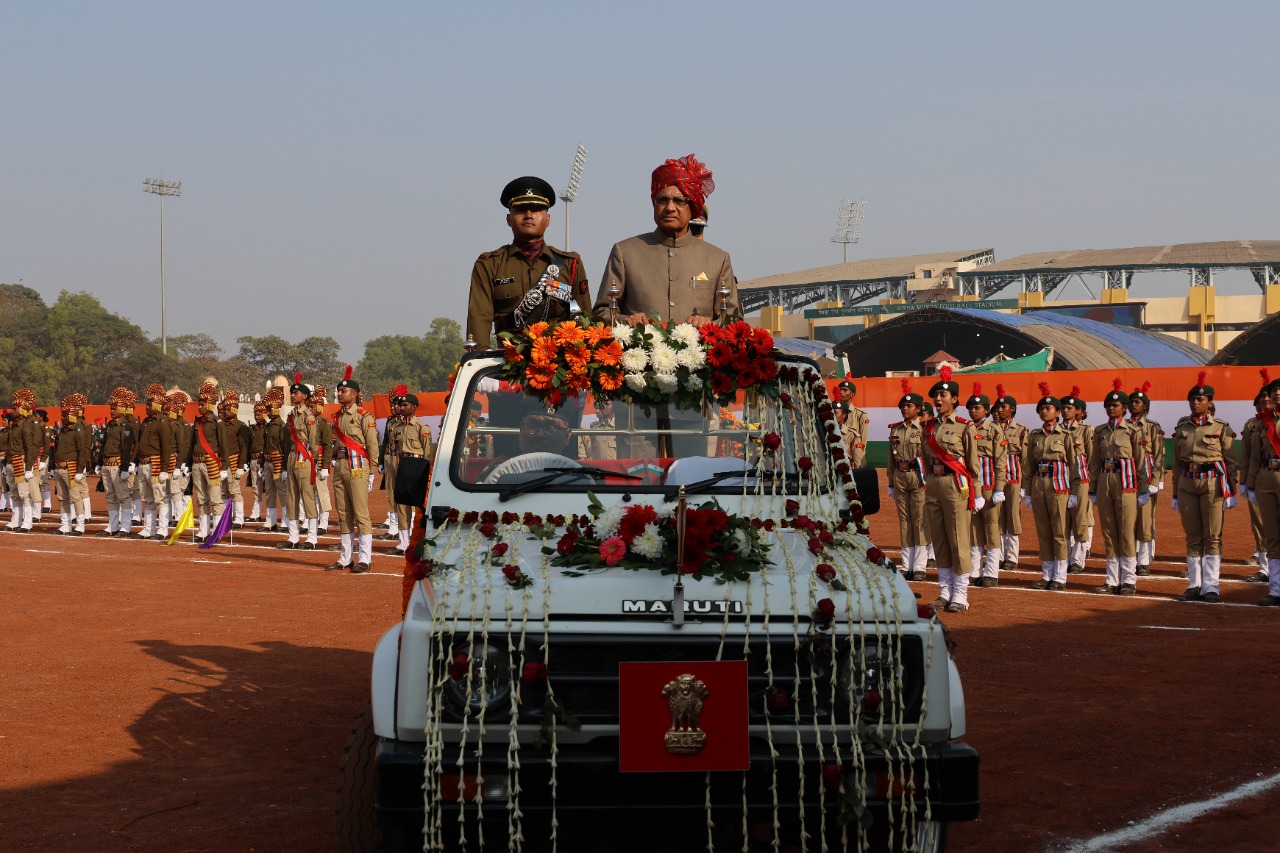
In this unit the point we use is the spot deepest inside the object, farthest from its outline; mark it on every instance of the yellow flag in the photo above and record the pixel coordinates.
(185, 521)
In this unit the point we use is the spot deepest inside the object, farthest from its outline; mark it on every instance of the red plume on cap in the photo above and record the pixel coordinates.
(1266, 376)
(1146, 386)
(1075, 390)
(906, 385)
(945, 373)
(1117, 383)
(977, 389)
(347, 374)
(1204, 374)
(999, 390)
(1044, 390)
(400, 390)
(297, 379)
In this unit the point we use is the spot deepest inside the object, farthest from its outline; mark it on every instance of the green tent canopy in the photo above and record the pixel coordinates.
(1037, 362)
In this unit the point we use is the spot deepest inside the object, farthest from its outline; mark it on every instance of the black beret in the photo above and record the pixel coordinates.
(528, 192)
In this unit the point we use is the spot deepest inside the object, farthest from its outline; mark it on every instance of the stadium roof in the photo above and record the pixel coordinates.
(873, 269)
(1226, 253)
(1255, 345)
(905, 342)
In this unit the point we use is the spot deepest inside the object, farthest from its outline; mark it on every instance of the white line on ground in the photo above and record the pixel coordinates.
(37, 551)
(1166, 820)
(214, 562)
(1169, 628)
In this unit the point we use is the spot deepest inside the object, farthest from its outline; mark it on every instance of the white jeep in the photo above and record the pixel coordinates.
(661, 629)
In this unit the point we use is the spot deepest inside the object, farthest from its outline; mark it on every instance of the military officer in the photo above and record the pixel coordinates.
(1118, 478)
(324, 456)
(175, 407)
(1079, 519)
(1248, 446)
(387, 462)
(409, 440)
(1153, 443)
(668, 274)
(72, 456)
(1005, 408)
(856, 424)
(257, 430)
(300, 473)
(1051, 462)
(275, 449)
(1263, 488)
(951, 454)
(238, 438)
(118, 445)
(1201, 453)
(153, 456)
(26, 443)
(527, 280)
(904, 472)
(355, 449)
(209, 463)
(985, 546)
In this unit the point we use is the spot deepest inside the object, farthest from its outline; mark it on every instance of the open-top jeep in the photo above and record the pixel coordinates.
(648, 613)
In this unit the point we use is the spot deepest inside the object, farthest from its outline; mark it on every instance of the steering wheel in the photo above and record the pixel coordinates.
(531, 464)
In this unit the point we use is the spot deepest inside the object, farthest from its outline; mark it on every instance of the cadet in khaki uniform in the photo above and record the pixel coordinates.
(1263, 488)
(1153, 443)
(300, 472)
(669, 274)
(598, 447)
(1005, 407)
(1118, 473)
(1079, 519)
(355, 448)
(175, 407)
(72, 457)
(412, 441)
(856, 425)
(1249, 446)
(153, 455)
(985, 546)
(275, 449)
(1050, 462)
(904, 473)
(526, 281)
(208, 461)
(256, 437)
(324, 455)
(951, 454)
(388, 462)
(118, 442)
(1201, 450)
(236, 433)
(26, 443)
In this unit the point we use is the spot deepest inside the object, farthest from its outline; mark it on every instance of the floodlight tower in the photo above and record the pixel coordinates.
(849, 224)
(162, 189)
(575, 180)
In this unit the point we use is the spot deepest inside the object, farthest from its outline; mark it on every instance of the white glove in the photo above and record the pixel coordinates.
(1162, 485)
(1093, 498)
(284, 474)
(891, 493)
(1072, 501)
(164, 477)
(223, 474)
(80, 477)
(30, 475)
(1175, 504)
(1143, 500)
(44, 465)
(323, 474)
(978, 503)
(125, 474)
(1026, 500)
(243, 471)
(185, 470)
(1153, 489)
(379, 469)
(1242, 489)
(1230, 503)
(997, 498)
(1253, 496)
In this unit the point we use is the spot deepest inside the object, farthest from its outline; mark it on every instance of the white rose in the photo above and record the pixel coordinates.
(693, 358)
(606, 523)
(667, 382)
(635, 381)
(635, 360)
(649, 543)
(686, 334)
(741, 541)
(664, 358)
(622, 333)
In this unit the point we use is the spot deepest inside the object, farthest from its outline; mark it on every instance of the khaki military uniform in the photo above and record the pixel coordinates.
(904, 472)
(237, 436)
(26, 448)
(72, 459)
(1248, 447)
(208, 461)
(671, 278)
(118, 442)
(180, 435)
(947, 502)
(990, 478)
(1118, 473)
(1201, 450)
(153, 456)
(1080, 519)
(410, 439)
(1015, 438)
(856, 427)
(500, 280)
(598, 447)
(351, 469)
(1050, 463)
(303, 442)
(324, 457)
(1145, 526)
(257, 430)
(275, 450)
(1263, 481)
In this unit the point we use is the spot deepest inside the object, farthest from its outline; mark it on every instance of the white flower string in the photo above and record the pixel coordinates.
(768, 711)
(551, 695)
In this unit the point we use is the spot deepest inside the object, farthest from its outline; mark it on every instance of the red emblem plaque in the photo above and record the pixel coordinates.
(682, 716)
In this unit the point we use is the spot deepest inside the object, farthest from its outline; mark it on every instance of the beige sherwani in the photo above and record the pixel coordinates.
(665, 277)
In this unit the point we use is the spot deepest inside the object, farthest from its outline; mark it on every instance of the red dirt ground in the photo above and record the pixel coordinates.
(173, 699)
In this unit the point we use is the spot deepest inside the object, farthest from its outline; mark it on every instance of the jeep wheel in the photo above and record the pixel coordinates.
(356, 828)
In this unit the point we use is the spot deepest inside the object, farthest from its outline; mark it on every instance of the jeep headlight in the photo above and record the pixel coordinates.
(882, 667)
(487, 668)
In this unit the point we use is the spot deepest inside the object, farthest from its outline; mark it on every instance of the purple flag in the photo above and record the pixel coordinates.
(224, 526)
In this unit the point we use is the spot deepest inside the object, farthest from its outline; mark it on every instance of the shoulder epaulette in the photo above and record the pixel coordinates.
(961, 420)
(895, 425)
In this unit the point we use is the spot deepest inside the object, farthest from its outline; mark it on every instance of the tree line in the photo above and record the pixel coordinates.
(76, 344)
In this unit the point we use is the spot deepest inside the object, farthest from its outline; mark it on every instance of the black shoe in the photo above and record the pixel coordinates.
(956, 607)
(1211, 598)
(1127, 589)
(384, 526)
(104, 533)
(919, 576)
(360, 568)
(1192, 594)
(76, 533)
(1143, 571)
(1269, 601)
(1007, 565)
(322, 530)
(158, 538)
(22, 530)
(336, 567)
(1181, 574)
(989, 583)
(1040, 584)
(239, 526)
(388, 537)
(1257, 577)
(931, 563)
(286, 545)
(200, 539)
(308, 546)
(254, 518)
(1075, 569)
(1057, 586)
(399, 552)
(1107, 589)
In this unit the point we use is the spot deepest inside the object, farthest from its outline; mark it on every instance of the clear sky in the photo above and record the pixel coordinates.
(341, 162)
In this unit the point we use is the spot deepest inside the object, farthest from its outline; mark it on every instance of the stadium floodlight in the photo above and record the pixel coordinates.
(849, 224)
(162, 189)
(575, 181)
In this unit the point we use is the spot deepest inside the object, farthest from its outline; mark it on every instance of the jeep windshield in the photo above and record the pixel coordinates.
(511, 444)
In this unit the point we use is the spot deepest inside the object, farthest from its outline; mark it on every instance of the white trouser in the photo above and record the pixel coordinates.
(1210, 569)
(1273, 578)
(944, 583)
(344, 548)
(366, 547)
(1193, 572)
(959, 588)
(975, 561)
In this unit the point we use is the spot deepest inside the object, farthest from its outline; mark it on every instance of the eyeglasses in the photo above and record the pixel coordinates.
(661, 201)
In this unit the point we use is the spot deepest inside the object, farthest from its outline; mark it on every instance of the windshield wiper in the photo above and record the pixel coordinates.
(550, 475)
(701, 485)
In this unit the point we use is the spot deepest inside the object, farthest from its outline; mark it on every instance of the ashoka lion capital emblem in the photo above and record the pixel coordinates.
(684, 697)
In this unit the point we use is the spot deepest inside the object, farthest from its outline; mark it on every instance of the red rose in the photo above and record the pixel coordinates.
(871, 702)
(792, 507)
(826, 537)
(510, 518)
(470, 517)
(768, 524)
(779, 701)
(487, 530)
(785, 399)
(531, 520)
(567, 542)
(453, 515)
(499, 549)
(825, 572)
(460, 666)
(924, 611)
(510, 572)
(831, 776)
(534, 674)
(489, 517)
(772, 441)
(825, 611)
(804, 463)
(875, 555)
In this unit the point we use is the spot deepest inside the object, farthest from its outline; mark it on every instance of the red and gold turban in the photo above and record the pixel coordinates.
(690, 176)
(24, 399)
(318, 394)
(155, 393)
(208, 393)
(177, 402)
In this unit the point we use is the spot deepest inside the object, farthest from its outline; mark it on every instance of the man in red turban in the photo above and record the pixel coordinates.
(669, 274)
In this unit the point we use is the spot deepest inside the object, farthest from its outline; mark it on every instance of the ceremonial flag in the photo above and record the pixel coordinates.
(185, 522)
(224, 526)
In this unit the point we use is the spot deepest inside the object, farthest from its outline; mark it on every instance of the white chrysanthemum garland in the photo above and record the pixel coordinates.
(784, 440)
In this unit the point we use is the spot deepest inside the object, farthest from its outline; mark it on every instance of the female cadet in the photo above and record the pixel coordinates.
(1079, 519)
(984, 547)
(951, 456)
(1201, 444)
(1118, 486)
(1050, 461)
(1015, 437)
(904, 472)
(1264, 489)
